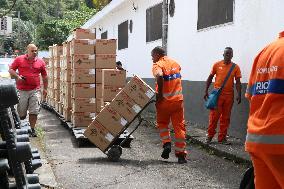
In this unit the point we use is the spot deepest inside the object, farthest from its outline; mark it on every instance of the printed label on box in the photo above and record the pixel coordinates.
(109, 137)
(92, 115)
(93, 30)
(91, 42)
(92, 100)
(92, 71)
(92, 85)
(150, 93)
(92, 57)
(123, 121)
(136, 108)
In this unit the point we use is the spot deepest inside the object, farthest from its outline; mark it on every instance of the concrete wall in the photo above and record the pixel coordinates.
(256, 23)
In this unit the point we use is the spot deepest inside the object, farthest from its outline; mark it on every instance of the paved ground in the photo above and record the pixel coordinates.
(139, 167)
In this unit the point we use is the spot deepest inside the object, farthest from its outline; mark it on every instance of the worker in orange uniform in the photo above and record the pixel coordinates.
(265, 134)
(226, 98)
(169, 103)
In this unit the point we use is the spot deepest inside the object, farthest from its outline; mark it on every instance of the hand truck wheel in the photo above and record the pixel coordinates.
(114, 153)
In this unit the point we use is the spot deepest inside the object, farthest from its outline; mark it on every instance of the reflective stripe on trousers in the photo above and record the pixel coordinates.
(172, 111)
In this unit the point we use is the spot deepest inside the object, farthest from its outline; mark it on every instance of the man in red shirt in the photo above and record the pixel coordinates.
(28, 84)
(226, 99)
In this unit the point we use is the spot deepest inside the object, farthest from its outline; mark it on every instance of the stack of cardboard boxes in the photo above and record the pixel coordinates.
(116, 116)
(83, 78)
(49, 68)
(66, 71)
(57, 52)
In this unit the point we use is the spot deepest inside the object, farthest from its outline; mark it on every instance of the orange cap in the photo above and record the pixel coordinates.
(281, 34)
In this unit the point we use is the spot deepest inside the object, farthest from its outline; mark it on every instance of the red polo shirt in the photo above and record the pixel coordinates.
(31, 70)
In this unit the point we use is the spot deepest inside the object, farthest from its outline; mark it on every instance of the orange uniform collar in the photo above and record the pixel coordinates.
(281, 34)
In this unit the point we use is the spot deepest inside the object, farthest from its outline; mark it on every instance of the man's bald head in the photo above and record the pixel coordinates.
(32, 51)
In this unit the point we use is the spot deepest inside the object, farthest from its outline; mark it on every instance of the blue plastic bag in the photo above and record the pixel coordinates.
(212, 100)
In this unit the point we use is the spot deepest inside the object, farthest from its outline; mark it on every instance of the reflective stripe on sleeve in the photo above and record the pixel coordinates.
(172, 94)
(265, 139)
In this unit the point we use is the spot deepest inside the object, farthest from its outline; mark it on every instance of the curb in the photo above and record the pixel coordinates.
(219, 153)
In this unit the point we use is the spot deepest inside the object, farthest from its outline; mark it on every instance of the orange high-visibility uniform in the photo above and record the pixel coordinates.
(265, 134)
(225, 101)
(171, 107)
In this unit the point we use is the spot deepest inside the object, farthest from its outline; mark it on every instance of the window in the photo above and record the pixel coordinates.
(214, 12)
(154, 23)
(104, 35)
(123, 35)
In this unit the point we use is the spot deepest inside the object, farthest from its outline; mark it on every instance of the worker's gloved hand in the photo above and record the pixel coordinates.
(159, 97)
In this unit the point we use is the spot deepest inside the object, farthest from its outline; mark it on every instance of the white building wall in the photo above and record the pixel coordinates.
(256, 23)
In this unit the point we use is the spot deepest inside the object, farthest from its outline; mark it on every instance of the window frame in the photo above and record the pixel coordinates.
(218, 25)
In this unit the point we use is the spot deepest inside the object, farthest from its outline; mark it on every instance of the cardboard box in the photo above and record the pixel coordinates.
(99, 104)
(99, 135)
(66, 75)
(82, 46)
(83, 76)
(114, 77)
(57, 50)
(67, 114)
(107, 93)
(50, 51)
(84, 105)
(66, 48)
(104, 61)
(125, 106)
(82, 119)
(56, 84)
(65, 62)
(56, 95)
(50, 62)
(111, 120)
(80, 33)
(56, 73)
(83, 61)
(99, 76)
(105, 46)
(83, 90)
(56, 62)
(67, 91)
(139, 91)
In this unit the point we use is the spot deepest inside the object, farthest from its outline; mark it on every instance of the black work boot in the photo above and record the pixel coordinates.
(167, 150)
(33, 133)
(181, 158)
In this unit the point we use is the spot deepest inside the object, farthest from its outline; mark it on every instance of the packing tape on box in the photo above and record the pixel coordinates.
(92, 71)
(123, 121)
(109, 137)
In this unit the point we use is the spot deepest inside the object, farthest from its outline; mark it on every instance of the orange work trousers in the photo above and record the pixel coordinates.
(268, 170)
(172, 111)
(222, 112)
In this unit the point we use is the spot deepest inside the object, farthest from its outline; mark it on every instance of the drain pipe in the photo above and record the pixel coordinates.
(165, 22)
